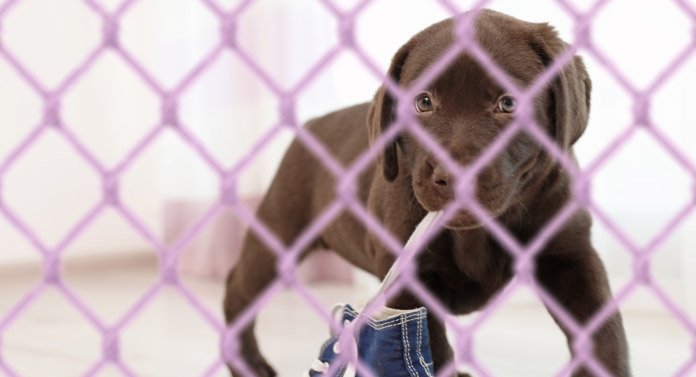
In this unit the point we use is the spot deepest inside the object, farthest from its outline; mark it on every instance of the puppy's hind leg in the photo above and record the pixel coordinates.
(256, 270)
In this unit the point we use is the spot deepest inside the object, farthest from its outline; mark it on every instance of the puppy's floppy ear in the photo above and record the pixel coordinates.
(382, 114)
(570, 89)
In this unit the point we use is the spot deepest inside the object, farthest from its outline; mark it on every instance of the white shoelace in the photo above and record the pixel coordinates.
(320, 366)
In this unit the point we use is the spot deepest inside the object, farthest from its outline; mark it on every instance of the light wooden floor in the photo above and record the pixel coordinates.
(169, 339)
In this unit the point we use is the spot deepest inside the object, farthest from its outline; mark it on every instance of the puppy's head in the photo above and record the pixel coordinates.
(465, 110)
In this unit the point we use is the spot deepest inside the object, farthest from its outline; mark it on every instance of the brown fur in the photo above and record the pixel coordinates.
(523, 187)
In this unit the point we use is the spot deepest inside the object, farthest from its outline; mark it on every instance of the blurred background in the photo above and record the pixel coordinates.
(228, 108)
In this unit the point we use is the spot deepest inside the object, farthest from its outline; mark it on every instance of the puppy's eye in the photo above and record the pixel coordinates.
(507, 104)
(423, 103)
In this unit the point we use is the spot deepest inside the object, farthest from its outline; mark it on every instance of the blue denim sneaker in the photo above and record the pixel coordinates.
(392, 343)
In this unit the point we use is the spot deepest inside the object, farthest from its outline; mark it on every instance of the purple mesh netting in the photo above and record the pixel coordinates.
(346, 200)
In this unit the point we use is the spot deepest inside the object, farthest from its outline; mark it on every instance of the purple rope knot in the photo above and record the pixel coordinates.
(641, 110)
(170, 111)
(51, 273)
(228, 191)
(465, 191)
(346, 190)
(642, 271)
(287, 111)
(229, 346)
(111, 346)
(464, 347)
(525, 110)
(52, 111)
(228, 30)
(583, 33)
(409, 270)
(110, 187)
(346, 31)
(582, 191)
(524, 269)
(404, 107)
(170, 276)
(110, 31)
(286, 270)
(583, 345)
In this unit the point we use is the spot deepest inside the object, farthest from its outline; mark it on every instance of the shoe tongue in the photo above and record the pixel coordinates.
(385, 312)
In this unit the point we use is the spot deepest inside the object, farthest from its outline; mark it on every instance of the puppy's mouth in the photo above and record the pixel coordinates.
(436, 198)
(463, 220)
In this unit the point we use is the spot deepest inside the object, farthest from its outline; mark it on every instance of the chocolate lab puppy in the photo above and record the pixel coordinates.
(463, 108)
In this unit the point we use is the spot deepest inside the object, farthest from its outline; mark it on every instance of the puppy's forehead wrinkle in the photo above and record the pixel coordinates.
(506, 39)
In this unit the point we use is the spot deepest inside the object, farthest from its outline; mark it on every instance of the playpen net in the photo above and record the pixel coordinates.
(345, 199)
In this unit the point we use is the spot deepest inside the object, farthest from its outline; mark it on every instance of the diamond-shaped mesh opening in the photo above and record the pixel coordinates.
(197, 32)
(147, 340)
(288, 307)
(665, 43)
(670, 120)
(228, 108)
(110, 259)
(166, 154)
(60, 168)
(612, 111)
(265, 35)
(119, 116)
(186, 31)
(370, 22)
(497, 338)
(312, 101)
(51, 327)
(655, 335)
(661, 199)
(33, 35)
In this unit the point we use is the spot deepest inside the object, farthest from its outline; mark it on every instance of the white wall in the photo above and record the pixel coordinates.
(229, 109)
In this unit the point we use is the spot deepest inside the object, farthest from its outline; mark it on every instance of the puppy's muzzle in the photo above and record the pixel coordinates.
(442, 184)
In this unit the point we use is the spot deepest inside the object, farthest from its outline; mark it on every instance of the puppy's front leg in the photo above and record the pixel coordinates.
(439, 345)
(579, 283)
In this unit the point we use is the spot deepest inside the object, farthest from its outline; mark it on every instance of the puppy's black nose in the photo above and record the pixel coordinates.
(441, 177)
